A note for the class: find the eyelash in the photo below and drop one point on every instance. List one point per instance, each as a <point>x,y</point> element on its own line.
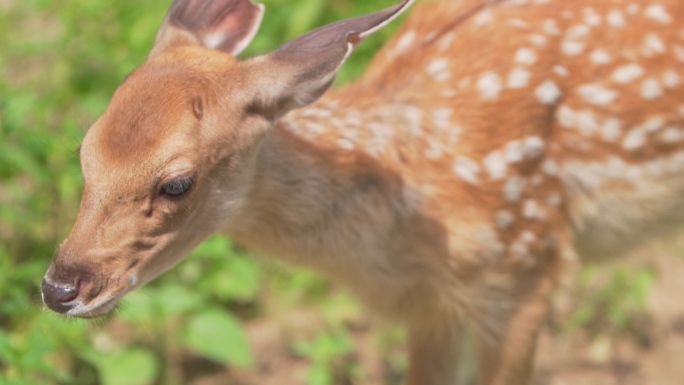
<point>176,188</point>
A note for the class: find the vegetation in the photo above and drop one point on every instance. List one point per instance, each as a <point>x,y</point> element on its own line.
<point>60,62</point>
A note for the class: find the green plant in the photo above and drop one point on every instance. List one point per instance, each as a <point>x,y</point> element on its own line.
<point>613,302</point>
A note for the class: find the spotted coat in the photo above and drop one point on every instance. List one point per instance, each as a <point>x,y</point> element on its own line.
<point>541,122</point>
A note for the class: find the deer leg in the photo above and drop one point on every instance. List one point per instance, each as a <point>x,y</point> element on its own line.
<point>507,359</point>
<point>438,356</point>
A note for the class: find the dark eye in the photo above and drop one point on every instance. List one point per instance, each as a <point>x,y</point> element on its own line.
<point>176,188</point>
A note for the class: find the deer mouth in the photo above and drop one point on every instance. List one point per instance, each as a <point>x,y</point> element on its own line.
<point>96,309</point>
<point>81,299</point>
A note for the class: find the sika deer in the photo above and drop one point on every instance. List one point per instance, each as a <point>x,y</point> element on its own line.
<point>450,185</point>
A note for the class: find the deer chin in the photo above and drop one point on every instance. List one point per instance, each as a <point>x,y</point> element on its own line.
<point>95,309</point>
<point>104,302</point>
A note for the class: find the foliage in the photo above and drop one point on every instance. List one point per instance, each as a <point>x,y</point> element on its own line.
<point>612,301</point>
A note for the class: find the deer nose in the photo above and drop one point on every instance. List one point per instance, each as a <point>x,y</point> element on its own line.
<point>57,297</point>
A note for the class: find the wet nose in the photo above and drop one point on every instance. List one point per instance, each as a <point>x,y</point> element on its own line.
<point>57,297</point>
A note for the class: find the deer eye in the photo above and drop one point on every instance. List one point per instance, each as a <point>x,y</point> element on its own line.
<point>176,188</point>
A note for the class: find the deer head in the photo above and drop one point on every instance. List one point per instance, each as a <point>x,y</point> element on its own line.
<point>173,157</point>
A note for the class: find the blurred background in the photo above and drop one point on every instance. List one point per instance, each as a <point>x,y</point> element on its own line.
<point>222,317</point>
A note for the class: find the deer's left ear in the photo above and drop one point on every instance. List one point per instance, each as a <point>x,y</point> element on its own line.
<point>225,25</point>
<point>299,72</point>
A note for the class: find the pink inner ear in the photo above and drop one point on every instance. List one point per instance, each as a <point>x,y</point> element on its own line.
<point>234,33</point>
<point>225,25</point>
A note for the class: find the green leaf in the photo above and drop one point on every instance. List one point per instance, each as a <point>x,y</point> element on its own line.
<point>177,300</point>
<point>130,367</point>
<point>320,375</point>
<point>5,347</point>
<point>219,336</point>
<point>138,307</point>
<point>240,280</point>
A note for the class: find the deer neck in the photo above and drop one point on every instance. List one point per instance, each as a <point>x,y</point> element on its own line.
<point>311,182</point>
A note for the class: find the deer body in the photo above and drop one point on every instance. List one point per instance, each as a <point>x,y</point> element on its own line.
<point>450,186</point>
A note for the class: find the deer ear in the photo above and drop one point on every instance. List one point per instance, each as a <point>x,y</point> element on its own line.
<point>301,71</point>
<point>225,25</point>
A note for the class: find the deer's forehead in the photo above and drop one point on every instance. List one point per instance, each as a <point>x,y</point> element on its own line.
<point>130,146</point>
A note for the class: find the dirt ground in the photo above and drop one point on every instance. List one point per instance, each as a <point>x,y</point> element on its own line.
<point>655,358</point>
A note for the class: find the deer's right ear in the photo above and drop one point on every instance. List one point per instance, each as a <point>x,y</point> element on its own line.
<point>224,25</point>
<point>299,72</point>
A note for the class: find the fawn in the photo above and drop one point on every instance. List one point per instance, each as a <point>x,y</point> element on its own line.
<point>487,144</point>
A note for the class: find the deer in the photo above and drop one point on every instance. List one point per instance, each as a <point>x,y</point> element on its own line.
<point>488,146</point>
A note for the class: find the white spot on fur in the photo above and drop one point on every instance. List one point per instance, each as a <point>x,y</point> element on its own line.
<point>616,19</point>
<point>572,48</point>
<point>530,209</point>
<point>550,27</point>
<point>438,69</point>
<point>566,116</point>
<point>671,79</point>
<point>611,129</point>
<point>345,144</point>
<point>525,56</point>
<point>548,92</point>
<point>672,135</point>
<point>550,167</point>
<point>467,169</point>
<point>504,219</point>
<point>435,149</point>
<point>651,89</point>
<point>533,147</point>
<point>482,18</point>
<point>514,151</point>
<point>600,56</point>
<point>538,39</point>
<point>634,140</point>
<point>489,85</point>
<point>654,43</point>
<point>627,73</point>
<point>577,32</point>
<point>496,165</point>
<point>597,94</point>
<point>561,71</point>
<point>528,237</point>
<point>586,122</point>
<point>441,118</point>
<point>404,42</point>
<point>513,189</point>
<point>591,18</point>
<point>522,253</point>
<point>658,13</point>
<point>518,23</point>
<point>518,78</point>
<point>446,41</point>
<point>654,124</point>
